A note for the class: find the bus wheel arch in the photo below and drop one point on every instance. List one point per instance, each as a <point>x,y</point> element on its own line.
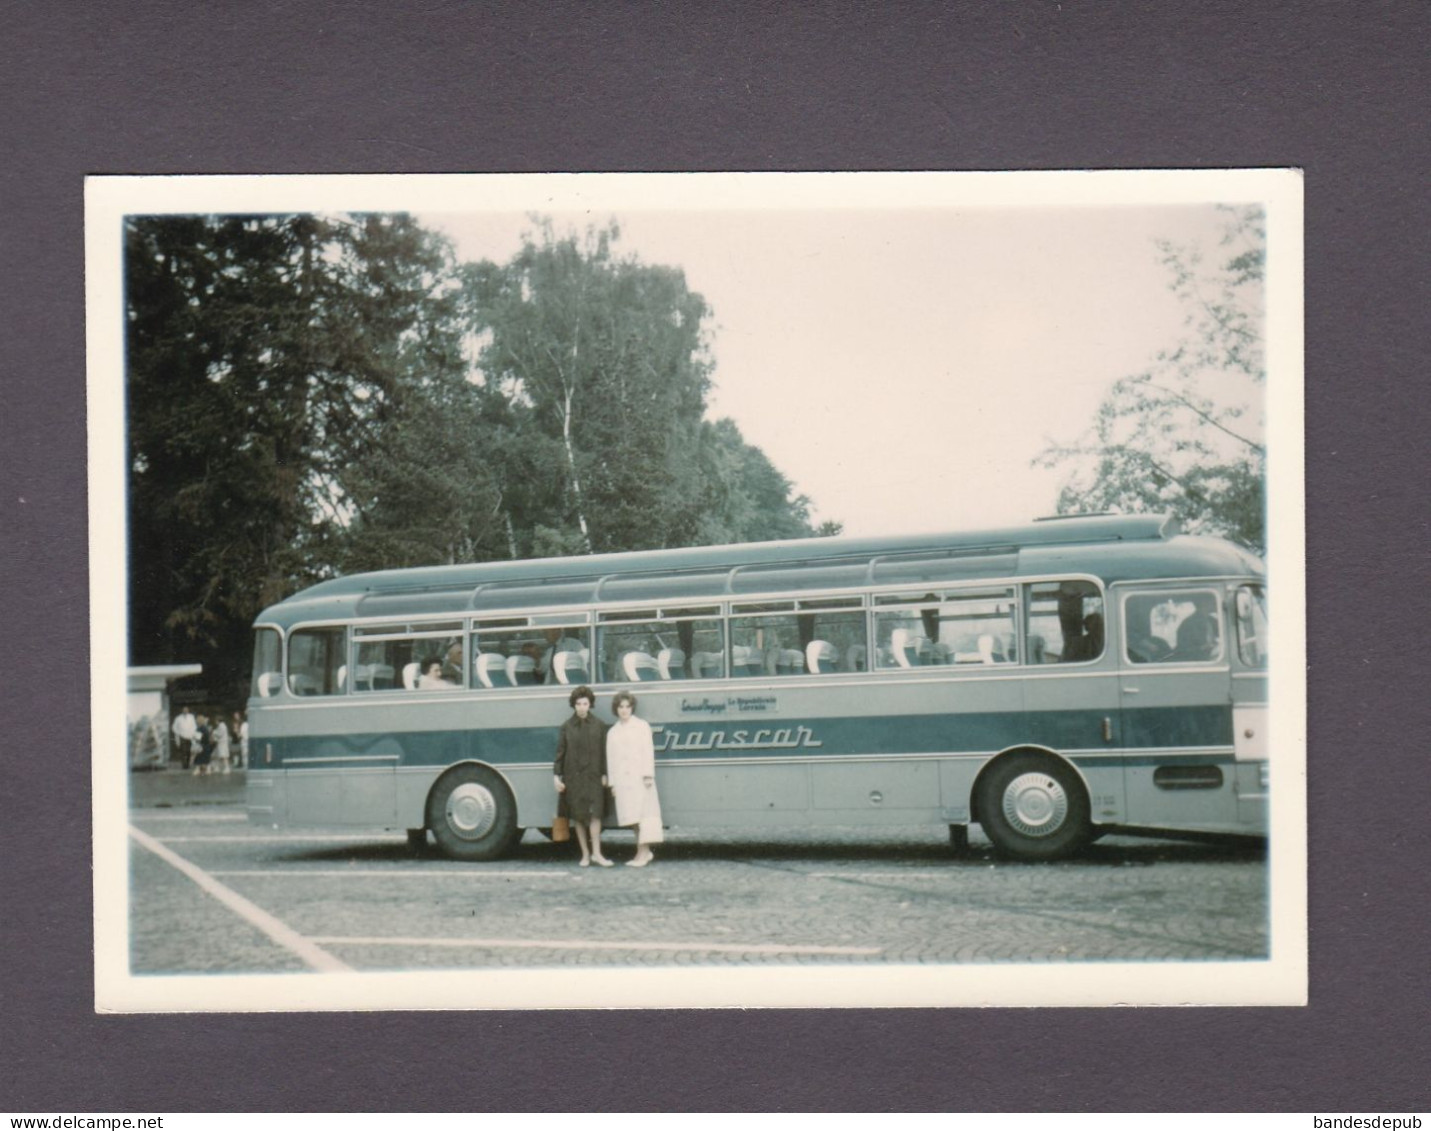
<point>472,813</point>
<point>1033,804</point>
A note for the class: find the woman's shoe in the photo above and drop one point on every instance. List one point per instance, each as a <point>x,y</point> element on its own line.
<point>605,863</point>
<point>584,864</point>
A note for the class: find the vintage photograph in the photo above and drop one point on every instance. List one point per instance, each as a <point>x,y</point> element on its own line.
<point>651,590</point>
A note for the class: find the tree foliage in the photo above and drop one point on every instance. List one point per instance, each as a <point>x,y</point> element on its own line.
<point>314,395</point>
<point>606,357</point>
<point>1186,435</point>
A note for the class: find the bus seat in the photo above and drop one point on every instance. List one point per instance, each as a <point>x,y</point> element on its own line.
<point>790,661</point>
<point>855,656</point>
<point>301,684</point>
<point>640,667</point>
<point>382,677</point>
<point>910,651</point>
<point>342,677</point>
<point>705,665</point>
<point>492,670</point>
<point>410,673</point>
<point>744,660</point>
<point>987,655</point>
<point>570,666</point>
<point>268,684</point>
<point>941,653</point>
<point>521,671</point>
<point>822,656</point>
<point>671,662</point>
<point>1038,649</point>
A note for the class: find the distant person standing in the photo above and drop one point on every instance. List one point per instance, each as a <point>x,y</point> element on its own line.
<point>204,742</point>
<point>241,730</point>
<point>186,730</point>
<point>222,764</point>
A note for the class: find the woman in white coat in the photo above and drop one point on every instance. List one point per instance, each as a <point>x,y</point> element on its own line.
<point>631,767</point>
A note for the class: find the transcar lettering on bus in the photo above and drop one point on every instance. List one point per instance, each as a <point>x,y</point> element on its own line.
<point>737,703</point>
<point>787,738</point>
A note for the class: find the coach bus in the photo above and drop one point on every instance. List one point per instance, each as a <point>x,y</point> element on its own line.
<point>1050,682</point>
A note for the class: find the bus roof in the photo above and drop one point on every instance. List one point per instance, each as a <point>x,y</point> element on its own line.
<point>1110,547</point>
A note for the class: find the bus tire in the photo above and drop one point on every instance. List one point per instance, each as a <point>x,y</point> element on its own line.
<point>1033,807</point>
<point>472,815</point>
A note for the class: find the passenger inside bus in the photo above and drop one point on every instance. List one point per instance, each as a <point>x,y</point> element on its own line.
<point>1173,628</point>
<point>452,665</point>
<point>1197,638</point>
<point>431,679</point>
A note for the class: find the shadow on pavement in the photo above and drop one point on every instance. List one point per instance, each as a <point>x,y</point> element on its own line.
<point>762,848</point>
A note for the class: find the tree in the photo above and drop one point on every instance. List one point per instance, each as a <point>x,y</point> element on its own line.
<point>605,360</point>
<point>744,498</point>
<point>264,356</point>
<point>1186,435</point>
<point>312,395</point>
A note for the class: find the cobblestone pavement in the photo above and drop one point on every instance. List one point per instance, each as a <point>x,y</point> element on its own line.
<point>713,897</point>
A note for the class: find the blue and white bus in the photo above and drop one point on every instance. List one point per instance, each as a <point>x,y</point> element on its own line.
<point>1051,682</point>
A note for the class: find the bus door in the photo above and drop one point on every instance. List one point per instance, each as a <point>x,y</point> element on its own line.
<point>1177,705</point>
<point>1070,692</point>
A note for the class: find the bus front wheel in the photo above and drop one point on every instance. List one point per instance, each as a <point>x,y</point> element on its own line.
<point>1034,807</point>
<point>471,814</point>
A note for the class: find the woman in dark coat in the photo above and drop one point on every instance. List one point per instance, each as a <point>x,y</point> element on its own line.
<point>580,771</point>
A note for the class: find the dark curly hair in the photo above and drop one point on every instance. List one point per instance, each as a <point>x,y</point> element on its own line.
<point>582,692</point>
<point>623,697</point>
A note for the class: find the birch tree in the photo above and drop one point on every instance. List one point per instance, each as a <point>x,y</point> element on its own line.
<point>1187,433</point>
<point>607,356</point>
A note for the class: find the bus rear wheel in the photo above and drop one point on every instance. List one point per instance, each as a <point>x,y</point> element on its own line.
<point>1034,807</point>
<point>471,814</point>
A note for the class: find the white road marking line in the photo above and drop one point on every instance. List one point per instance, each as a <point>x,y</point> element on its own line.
<point>295,873</point>
<point>355,839</point>
<point>873,875</point>
<point>279,931</point>
<point>587,944</point>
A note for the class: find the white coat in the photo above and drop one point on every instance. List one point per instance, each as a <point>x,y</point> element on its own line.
<point>630,759</point>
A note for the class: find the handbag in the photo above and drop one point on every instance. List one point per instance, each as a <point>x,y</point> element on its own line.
<point>561,829</point>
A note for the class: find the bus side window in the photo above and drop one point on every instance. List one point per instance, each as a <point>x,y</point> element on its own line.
<point>527,657</point>
<point>673,645</point>
<point>960,627</point>
<point>315,657</point>
<point>267,660</point>
<point>1065,622</point>
<point>1172,627</point>
<point>1251,607</point>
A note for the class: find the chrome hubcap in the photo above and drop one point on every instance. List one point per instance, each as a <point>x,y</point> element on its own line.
<point>471,811</point>
<point>1035,804</point>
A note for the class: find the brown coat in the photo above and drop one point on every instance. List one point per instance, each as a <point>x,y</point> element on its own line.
<point>581,764</point>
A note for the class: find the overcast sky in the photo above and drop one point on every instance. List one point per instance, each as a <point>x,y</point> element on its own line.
<point>901,345</point>
<point>903,367</point>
